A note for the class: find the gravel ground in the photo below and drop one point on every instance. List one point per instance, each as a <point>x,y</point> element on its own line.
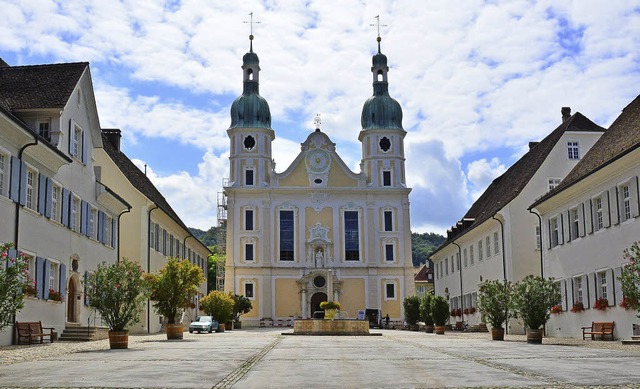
<point>16,354</point>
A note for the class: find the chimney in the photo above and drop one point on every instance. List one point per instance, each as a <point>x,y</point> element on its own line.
<point>532,145</point>
<point>566,113</point>
<point>113,135</point>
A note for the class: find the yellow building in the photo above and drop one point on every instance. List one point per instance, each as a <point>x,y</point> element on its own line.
<point>151,231</point>
<point>318,231</point>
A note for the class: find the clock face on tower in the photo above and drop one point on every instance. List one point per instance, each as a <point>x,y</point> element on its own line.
<point>318,160</point>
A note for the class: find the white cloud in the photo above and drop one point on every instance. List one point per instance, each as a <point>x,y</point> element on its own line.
<point>480,173</point>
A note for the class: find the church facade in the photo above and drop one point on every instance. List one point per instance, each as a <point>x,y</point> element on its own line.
<point>317,231</point>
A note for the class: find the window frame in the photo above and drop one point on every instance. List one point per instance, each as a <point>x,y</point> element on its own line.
<point>578,290</point>
<point>487,242</point>
<point>480,252</point>
<point>393,294</point>
<point>598,208</point>
<point>554,231</point>
<point>5,159</point>
<point>248,219</point>
<point>351,235</point>
<point>289,238</point>
<point>387,217</point>
<point>53,275</point>
<point>76,213</point>
<point>387,178</point>
<point>496,243</point>
<point>389,248</point>
<point>31,189</point>
<point>552,183</point>
<point>249,177</point>
<point>601,276</point>
<point>626,201</point>
<point>471,255</point>
<point>245,289</point>
<point>247,250</point>
<point>573,150</point>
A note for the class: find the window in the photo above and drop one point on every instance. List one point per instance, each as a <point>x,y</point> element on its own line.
<point>152,237</point>
<point>496,243</point>
<point>573,150</point>
<point>626,202</point>
<point>93,216</point>
<point>248,219</point>
<point>351,236</point>
<point>554,231</point>
<point>573,214</point>
<point>480,252</point>
<point>488,244</point>
<point>390,291</point>
<point>553,182</point>
<point>446,266</point>
<point>108,233</point>
<point>43,130</point>
<point>75,214</point>
<point>452,265</point>
<point>420,289</point>
<point>4,163</point>
<point>248,290</point>
<point>538,238</point>
<point>178,248</point>
<point>32,189</point>
<point>386,178</point>
<point>248,177</point>
<point>286,235</point>
<point>464,256</point>
<point>388,250</point>
<point>76,143</point>
<point>388,220</point>
<point>597,204</point>
<point>248,252</point>
<point>471,255</point>
<point>578,292</point>
<point>54,276</point>
<point>55,202</point>
<point>602,284</point>
<point>171,239</point>
<point>457,261</point>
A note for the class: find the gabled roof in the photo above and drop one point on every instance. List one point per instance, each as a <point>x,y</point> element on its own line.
<point>142,183</point>
<point>421,276</point>
<point>39,86</point>
<point>509,185</point>
<point>622,137</point>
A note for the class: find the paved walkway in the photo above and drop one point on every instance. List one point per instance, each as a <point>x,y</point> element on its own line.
<point>266,359</point>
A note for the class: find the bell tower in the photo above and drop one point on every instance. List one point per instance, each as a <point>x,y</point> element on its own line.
<point>382,135</point>
<point>250,131</point>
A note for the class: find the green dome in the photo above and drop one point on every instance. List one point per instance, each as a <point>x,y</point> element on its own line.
<point>250,58</point>
<point>381,111</point>
<point>250,111</point>
<point>379,60</point>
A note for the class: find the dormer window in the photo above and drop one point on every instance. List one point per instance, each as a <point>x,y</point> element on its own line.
<point>43,130</point>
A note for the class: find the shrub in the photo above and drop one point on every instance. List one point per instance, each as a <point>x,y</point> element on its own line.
<point>425,309</point>
<point>14,281</point>
<point>494,299</point>
<point>219,305</point>
<point>533,298</point>
<point>411,309</point>
<point>439,310</point>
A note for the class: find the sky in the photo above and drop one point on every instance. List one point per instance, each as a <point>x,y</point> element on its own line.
<point>477,81</point>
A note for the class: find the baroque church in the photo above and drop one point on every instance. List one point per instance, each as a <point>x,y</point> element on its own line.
<point>317,231</point>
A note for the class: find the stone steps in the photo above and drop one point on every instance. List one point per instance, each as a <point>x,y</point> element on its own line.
<point>635,339</point>
<point>76,333</point>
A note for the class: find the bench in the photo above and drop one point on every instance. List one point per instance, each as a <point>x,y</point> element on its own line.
<point>602,328</point>
<point>32,331</point>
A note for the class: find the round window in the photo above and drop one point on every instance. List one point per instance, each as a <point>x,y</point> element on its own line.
<point>249,142</point>
<point>385,144</point>
<point>319,282</point>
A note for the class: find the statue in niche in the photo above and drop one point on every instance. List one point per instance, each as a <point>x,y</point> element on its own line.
<point>319,258</point>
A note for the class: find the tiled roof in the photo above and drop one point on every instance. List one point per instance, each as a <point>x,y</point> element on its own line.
<point>509,185</point>
<point>621,138</point>
<point>422,274</point>
<point>142,183</point>
<point>39,86</point>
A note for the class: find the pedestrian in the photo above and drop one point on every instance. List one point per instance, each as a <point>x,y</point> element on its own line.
<point>386,321</point>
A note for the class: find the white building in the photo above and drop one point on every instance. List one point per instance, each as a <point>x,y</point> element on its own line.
<point>498,238</point>
<point>588,221</point>
<point>52,207</point>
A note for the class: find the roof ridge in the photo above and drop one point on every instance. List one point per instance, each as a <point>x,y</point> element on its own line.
<point>44,65</point>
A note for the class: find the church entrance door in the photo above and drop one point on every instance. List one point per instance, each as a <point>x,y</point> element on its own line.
<point>316,299</point>
<point>71,301</point>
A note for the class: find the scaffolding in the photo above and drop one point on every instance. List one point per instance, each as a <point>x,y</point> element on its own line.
<point>222,235</point>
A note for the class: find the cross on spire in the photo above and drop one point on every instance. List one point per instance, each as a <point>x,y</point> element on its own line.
<point>378,25</point>
<point>251,22</point>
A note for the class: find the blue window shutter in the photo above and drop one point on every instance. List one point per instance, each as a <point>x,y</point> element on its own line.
<point>40,277</point>
<point>86,280</point>
<point>42,193</point>
<point>63,281</point>
<point>83,217</point>
<point>23,183</point>
<point>65,207</point>
<point>15,179</point>
<point>85,147</point>
<point>114,233</point>
<point>45,281</point>
<point>48,197</point>
<point>12,253</point>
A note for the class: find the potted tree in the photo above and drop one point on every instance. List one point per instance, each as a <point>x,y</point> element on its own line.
<point>13,284</point>
<point>117,292</point>
<point>241,305</point>
<point>172,289</point>
<point>220,306</point>
<point>533,298</point>
<point>412,311</point>
<point>439,313</point>
<point>494,298</point>
<point>425,312</point>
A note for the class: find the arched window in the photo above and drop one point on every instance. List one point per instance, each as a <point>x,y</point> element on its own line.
<point>250,74</point>
<point>380,77</point>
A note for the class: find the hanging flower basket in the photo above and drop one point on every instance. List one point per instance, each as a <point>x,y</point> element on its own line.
<point>577,307</point>
<point>557,309</point>
<point>601,304</point>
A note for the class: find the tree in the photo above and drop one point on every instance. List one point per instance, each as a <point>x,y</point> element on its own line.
<point>173,287</point>
<point>219,305</point>
<point>14,281</point>
<point>241,305</point>
<point>117,292</point>
<point>630,278</point>
<point>494,299</point>
<point>212,266</point>
<point>425,309</point>
<point>411,310</point>
<point>533,298</point>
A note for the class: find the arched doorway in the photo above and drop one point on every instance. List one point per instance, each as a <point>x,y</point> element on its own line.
<point>316,299</point>
<point>71,301</point>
